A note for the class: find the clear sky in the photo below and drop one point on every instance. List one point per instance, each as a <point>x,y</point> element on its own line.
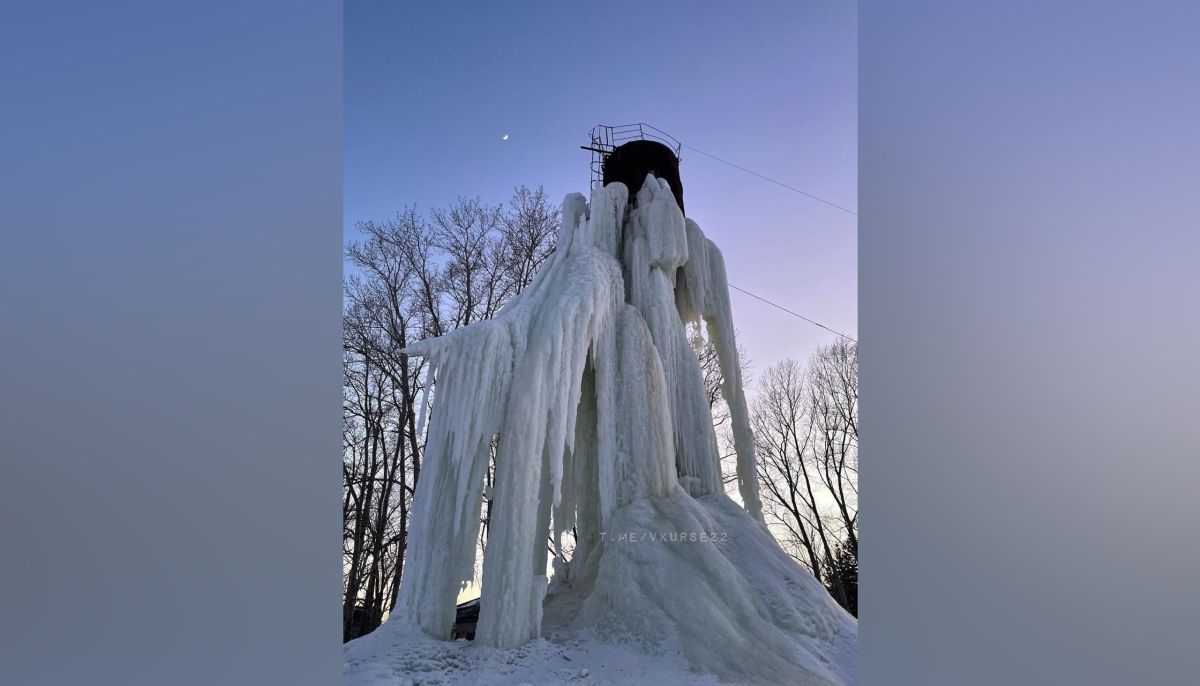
<point>430,89</point>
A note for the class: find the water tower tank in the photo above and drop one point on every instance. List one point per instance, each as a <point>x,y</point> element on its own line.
<point>628,152</point>
<point>630,162</point>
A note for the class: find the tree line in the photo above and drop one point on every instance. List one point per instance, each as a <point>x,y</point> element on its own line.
<point>424,274</point>
<point>805,421</point>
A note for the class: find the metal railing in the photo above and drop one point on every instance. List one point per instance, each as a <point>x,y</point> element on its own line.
<point>605,139</point>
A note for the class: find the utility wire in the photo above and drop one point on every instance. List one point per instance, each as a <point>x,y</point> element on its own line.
<point>795,190</point>
<point>767,178</point>
<point>794,314</point>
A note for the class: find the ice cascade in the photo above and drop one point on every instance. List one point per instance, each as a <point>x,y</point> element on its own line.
<point>590,391</point>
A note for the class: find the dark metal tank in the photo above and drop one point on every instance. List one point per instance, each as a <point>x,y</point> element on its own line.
<point>630,162</point>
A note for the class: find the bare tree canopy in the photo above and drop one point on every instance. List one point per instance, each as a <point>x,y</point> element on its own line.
<point>806,440</point>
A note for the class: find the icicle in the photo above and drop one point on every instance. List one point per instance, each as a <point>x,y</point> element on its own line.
<point>585,471</point>
<point>425,399</point>
<point>577,302</point>
<point>441,557</point>
<point>702,293</point>
<point>655,244</point>
<point>645,452</point>
<point>606,215</point>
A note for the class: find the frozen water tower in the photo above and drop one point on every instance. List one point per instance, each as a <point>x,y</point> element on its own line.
<point>628,152</point>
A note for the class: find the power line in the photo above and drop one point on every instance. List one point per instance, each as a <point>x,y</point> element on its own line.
<point>767,178</point>
<point>795,190</point>
<point>794,314</point>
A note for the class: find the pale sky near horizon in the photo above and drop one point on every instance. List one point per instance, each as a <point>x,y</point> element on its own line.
<point>431,89</point>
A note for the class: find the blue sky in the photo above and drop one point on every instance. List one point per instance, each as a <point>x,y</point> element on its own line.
<point>430,89</point>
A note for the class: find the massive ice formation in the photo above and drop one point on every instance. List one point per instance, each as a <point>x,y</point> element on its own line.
<point>589,383</point>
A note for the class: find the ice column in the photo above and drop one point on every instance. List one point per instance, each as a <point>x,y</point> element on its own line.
<point>702,293</point>
<point>655,247</point>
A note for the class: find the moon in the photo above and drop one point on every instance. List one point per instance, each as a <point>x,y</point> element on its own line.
<point>504,137</point>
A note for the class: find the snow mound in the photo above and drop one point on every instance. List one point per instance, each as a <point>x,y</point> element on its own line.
<point>398,654</point>
<point>700,577</point>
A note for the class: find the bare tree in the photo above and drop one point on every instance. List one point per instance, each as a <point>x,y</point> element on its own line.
<point>806,441</point>
<point>381,457</point>
<point>529,235</point>
<point>473,278</point>
<point>833,409</point>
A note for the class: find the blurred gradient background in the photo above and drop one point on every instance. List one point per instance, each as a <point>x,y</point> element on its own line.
<point>170,196</point>
<point>1029,299</point>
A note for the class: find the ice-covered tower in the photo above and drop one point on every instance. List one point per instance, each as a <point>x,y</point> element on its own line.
<point>589,388</point>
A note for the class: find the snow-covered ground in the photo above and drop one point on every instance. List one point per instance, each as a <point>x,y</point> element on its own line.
<point>399,655</point>
<point>745,614</point>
